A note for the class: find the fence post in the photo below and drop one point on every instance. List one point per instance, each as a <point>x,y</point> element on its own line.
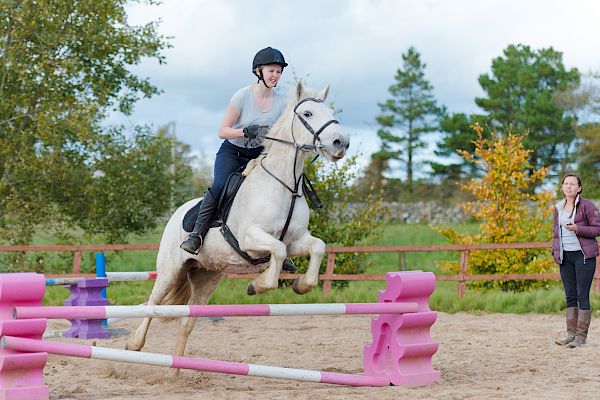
<point>464,260</point>
<point>328,271</point>
<point>77,262</point>
<point>402,261</point>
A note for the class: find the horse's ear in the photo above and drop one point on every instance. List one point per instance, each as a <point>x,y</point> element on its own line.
<point>323,93</point>
<point>299,90</point>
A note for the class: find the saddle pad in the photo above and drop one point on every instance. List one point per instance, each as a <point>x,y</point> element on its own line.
<point>189,220</point>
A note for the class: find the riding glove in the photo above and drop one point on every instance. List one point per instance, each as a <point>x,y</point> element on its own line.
<point>253,131</point>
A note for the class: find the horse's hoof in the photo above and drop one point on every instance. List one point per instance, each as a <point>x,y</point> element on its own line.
<point>296,289</point>
<point>251,291</point>
<point>133,348</point>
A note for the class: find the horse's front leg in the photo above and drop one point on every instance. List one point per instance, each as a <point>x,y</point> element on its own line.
<point>308,244</point>
<point>256,239</point>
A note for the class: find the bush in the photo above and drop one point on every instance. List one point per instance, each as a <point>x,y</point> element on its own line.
<point>509,210</point>
<point>335,224</point>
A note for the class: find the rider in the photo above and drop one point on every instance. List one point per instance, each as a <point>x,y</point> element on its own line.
<point>251,111</point>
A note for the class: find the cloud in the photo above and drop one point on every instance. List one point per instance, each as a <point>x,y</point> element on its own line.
<point>355,46</point>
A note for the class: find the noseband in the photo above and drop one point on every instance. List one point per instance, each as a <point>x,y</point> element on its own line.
<point>307,125</point>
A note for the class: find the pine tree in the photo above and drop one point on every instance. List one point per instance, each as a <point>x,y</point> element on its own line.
<point>408,115</point>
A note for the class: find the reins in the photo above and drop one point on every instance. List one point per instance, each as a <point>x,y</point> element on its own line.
<point>307,187</point>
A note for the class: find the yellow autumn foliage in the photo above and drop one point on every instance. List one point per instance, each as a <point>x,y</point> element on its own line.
<point>509,210</point>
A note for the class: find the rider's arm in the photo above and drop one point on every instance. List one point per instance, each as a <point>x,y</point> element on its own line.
<point>225,130</point>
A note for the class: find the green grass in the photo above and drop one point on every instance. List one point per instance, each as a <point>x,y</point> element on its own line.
<point>413,235</point>
<point>445,298</point>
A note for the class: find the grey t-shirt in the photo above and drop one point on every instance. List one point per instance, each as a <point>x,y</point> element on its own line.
<point>244,101</point>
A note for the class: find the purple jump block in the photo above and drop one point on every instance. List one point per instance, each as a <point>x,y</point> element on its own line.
<point>22,374</point>
<point>402,346</point>
<point>87,292</point>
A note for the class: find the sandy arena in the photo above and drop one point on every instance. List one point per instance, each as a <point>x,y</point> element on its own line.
<point>491,356</point>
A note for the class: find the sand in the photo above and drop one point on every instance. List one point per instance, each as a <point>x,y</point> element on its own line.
<point>491,356</point>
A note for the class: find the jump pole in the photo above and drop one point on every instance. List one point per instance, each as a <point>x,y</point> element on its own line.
<point>196,364</point>
<point>232,310</point>
<point>111,276</point>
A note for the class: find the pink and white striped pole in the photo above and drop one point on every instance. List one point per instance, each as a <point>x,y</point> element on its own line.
<point>232,310</point>
<point>197,364</point>
<point>111,276</point>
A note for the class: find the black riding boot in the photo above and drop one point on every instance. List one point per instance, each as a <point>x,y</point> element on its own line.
<point>205,215</point>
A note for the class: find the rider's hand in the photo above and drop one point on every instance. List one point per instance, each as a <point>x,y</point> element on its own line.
<point>253,131</point>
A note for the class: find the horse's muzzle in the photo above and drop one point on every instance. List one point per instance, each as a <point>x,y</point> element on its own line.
<point>339,147</point>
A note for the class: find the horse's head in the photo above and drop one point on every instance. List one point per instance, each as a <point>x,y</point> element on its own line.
<point>314,124</point>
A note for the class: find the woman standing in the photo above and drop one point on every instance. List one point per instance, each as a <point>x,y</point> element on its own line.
<point>251,112</point>
<point>574,247</point>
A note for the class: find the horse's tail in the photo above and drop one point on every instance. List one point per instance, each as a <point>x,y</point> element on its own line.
<point>169,263</point>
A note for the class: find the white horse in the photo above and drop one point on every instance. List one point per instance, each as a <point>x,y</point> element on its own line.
<point>257,218</point>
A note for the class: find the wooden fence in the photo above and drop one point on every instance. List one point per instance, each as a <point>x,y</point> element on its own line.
<point>329,276</point>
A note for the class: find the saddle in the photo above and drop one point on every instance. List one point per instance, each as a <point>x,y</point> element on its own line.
<point>231,188</point>
<point>232,185</point>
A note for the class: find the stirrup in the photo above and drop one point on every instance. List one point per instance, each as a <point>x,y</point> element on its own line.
<point>189,249</point>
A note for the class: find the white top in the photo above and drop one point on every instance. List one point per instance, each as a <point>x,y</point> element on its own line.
<point>569,238</point>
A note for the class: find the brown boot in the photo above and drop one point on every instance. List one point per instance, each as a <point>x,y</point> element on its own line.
<point>583,325</point>
<point>571,314</point>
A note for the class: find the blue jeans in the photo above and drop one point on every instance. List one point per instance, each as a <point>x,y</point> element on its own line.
<point>577,278</point>
<point>229,159</point>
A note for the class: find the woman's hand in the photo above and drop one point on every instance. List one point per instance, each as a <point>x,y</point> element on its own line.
<point>571,227</point>
<point>253,131</point>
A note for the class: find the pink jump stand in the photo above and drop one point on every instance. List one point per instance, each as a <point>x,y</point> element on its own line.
<point>22,374</point>
<point>402,346</point>
<point>87,292</point>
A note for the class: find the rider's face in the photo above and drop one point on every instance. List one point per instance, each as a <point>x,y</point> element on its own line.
<point>271,74</point>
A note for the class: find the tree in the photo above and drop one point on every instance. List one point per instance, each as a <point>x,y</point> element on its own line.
<point>116,201</point>
<point>508,210</point>
<point>589,158</point>
<point>520,94</point>
<point>65,66</point>
<point>410,114</point>
<point>457,135</point>
<point>372,177</point>
<point>584,102</point>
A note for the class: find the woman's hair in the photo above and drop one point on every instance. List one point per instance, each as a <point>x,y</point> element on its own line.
<point>578,181</point>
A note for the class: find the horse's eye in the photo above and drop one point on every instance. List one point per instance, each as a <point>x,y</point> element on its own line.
<point>307,114</point>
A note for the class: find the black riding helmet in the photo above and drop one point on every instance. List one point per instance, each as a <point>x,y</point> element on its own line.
<point>267,56</point>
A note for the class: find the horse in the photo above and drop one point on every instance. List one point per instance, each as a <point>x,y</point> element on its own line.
<point>262,210</point>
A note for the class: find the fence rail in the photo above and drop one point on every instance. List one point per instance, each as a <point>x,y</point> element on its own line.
<point>329,276</point>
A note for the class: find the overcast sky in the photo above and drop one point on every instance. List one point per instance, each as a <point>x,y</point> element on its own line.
<point>354,45</point>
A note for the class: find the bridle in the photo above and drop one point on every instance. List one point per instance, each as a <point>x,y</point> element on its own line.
<point>307,125</point>
<point>316,140</point>
<point>301,178</point>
